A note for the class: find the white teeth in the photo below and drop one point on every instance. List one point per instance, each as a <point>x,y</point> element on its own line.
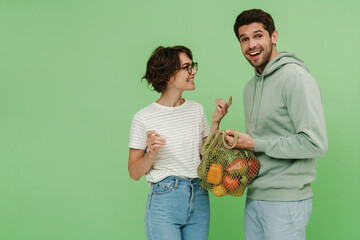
<point>254,53</point>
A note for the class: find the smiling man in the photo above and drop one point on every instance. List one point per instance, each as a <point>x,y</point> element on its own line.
<point>258,45</point>
<point>286,129</point>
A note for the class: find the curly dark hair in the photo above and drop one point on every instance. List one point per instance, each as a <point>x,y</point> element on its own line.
<point>163,64</point>
<point>254,15</point>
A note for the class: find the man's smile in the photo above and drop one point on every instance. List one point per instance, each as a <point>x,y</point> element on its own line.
<point>254,53</point>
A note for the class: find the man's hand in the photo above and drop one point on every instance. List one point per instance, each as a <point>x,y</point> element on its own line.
<point>244,140</point>
<point>154,142</point>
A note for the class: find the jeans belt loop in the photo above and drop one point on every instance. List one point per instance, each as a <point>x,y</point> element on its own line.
<point>176,182</point>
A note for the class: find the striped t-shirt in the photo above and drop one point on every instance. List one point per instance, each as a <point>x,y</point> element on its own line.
<point>183,127</point>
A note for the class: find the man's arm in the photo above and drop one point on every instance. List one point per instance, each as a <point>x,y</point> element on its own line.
<point>304,103</point>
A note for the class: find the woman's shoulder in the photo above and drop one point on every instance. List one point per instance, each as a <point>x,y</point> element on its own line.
<point>193,103</point>
<point>146,110</point>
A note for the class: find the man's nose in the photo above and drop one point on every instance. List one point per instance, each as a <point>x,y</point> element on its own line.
<point>252,43</point>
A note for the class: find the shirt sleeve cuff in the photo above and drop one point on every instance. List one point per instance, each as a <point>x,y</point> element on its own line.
<point>260,145</point>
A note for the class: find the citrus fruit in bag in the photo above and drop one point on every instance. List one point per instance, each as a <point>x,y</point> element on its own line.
<point>215,174</point>
<point>219,190</point>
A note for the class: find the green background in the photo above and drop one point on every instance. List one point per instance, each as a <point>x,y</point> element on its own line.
<point>70,83</point>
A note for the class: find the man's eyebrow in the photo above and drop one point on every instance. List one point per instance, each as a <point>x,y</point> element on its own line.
<point>257,31</point>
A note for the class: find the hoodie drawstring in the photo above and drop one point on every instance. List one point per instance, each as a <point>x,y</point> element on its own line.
<point>259,102</point>
<point>255,118</point>
<point>253,102</point>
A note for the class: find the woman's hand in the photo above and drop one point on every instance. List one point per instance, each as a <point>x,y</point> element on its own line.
<point>141,162</point>
<point>221,110</point>
<point>154,142</point>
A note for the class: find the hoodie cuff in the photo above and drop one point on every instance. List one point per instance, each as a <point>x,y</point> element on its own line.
<point>260,145</point>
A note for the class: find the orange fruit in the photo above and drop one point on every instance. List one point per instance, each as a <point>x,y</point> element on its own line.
<point>215,174</point>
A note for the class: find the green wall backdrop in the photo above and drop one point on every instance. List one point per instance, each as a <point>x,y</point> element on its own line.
<point>70,83</point>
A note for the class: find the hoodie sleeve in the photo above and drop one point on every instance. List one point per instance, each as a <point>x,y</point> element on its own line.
<point>302,96</point>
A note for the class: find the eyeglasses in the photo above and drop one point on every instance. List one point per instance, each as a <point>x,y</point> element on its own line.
<point>190,67</point>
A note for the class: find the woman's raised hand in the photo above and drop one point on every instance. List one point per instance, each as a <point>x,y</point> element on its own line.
<point>154,142</point>
<point>221,109</point>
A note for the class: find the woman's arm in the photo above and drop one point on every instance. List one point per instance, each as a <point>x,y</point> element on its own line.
<point>141,162</point>
<point>220,111</point>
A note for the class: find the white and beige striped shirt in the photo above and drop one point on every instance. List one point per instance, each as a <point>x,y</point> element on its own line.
<point>183,127</point>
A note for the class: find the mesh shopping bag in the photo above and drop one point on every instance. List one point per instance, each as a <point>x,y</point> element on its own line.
<point>226,170</point>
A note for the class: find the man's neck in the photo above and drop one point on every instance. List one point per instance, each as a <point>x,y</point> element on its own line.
<point>274,54</point>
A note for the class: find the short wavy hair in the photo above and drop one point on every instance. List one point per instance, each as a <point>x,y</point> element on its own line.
<point>163,64</point>
<point>254,15</point>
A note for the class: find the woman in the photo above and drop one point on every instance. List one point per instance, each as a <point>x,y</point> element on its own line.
<point>165,142</point>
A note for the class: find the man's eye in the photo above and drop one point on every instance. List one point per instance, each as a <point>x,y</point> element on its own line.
<point>259,36</point>
<point>244,40</point>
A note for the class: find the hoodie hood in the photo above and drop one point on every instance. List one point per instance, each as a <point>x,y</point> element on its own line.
<point>280,61</point>
<point>277,63</point>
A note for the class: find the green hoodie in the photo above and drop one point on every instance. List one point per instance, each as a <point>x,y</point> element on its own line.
<point>284,114</point>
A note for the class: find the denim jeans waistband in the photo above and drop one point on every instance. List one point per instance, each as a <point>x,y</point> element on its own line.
<point>179,180</point>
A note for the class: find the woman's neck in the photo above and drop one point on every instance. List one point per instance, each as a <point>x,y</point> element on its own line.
<point>170,99</point>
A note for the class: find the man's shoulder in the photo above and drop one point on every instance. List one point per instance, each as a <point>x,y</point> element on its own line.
<point>294,69</point>
<point>295,75</point>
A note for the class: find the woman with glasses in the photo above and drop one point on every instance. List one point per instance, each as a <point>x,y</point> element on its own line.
<point>165,142</point>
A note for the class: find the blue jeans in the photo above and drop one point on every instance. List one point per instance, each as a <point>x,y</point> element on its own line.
<point>177,208</point>
<point>268,220</point>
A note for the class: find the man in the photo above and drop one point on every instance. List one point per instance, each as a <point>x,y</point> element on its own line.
<point>285,127</point>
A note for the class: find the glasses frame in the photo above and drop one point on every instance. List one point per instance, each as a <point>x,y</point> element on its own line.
<point>190,67</point>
